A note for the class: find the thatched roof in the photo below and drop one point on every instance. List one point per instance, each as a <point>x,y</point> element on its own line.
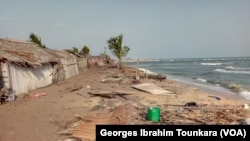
<point>28,54</point>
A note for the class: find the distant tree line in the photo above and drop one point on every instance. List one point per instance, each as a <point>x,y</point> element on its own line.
<point>84,51</point>
<point>115,45</point>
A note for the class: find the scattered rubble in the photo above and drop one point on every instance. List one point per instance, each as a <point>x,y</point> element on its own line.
<point>85,128</point>
<point>202,114</point>
<point>187,114</point>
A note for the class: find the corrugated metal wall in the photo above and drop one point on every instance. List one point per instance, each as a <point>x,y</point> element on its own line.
<point>25,79</point>
<point>82,63</point>
<point>58,73</point>
<point>5,75</point>
<point>70,67</point>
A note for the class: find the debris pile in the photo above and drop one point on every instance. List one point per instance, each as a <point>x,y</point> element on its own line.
<point>203,114</point>
<point>7,95</point>
<point>85,128</point>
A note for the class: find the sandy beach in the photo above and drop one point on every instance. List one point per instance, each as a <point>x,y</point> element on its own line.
<point>48,113</point>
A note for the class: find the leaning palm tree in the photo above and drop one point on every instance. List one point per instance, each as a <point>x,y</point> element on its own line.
<point>36,39</point>
<point>115,45</point>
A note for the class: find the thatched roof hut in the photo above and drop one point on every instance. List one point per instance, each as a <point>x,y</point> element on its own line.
<point>25,66</point>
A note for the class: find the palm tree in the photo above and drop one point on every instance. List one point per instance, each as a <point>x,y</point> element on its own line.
<point>115,45</point>
<point>36,39</point>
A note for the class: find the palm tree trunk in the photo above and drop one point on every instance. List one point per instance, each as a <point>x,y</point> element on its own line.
<point>120,63</point>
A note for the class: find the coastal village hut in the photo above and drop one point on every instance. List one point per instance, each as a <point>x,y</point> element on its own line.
<point>66,67</point>
<point>96,61</point>
<point>81,60</point>
<point>24,66</point>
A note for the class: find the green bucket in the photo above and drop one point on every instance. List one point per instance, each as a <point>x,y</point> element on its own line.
<point>154,114</point>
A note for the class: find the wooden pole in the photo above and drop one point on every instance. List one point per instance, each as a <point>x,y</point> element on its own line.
<point>137,77</point>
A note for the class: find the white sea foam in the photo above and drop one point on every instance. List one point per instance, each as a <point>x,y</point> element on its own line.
<point>202,80</point>
<point>236,68</point>
<point>229,71</point>
<point>218,85</point>
<point>209,59</point>
<point>243,58</point>
<point>211,64</point>
<point>229,67</point>
<point>146,71</point>
<point>245,94</point>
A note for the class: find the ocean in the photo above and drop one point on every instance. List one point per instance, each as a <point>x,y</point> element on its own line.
<point>220,74</point>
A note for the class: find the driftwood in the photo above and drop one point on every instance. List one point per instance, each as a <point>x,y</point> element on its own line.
<point>112,94</point>
<point>156,76</point>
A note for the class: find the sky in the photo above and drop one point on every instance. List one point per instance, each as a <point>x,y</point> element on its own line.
<point>151,28</point>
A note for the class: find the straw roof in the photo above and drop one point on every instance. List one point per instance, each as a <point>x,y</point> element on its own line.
<point>28,54</point>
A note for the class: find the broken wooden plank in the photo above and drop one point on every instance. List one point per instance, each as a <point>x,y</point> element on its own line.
<point>156,76</point>
<point>112,80</point>
<point>76,88</point>
<point>152,88</point>
<point>108,94</point>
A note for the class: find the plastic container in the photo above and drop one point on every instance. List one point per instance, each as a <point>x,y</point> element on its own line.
<point>154,114</point>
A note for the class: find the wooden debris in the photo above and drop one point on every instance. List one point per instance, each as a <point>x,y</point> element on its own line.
<point>108,94</point>
<point>172,114</point>
<point>85,130</point>
<point>201,114</point>
<point>191,104</point>
<point>76,88</point>
<point>159,77</point>
<point>112,80</point>
<point>152,88</point>
<point>216,97</point>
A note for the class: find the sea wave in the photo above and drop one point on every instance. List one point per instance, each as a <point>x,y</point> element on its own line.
<point>236,68</point>
<point>247,58</point>
<point>201,79</point>
<point>245,94</point>
<point>146,71</point>
<point>230,71</point>
<point>211,64</point>
<point>207,59</point>
<point>144,65</point>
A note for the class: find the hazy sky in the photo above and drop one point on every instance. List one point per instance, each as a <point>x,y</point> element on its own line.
<point>151,28</point>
